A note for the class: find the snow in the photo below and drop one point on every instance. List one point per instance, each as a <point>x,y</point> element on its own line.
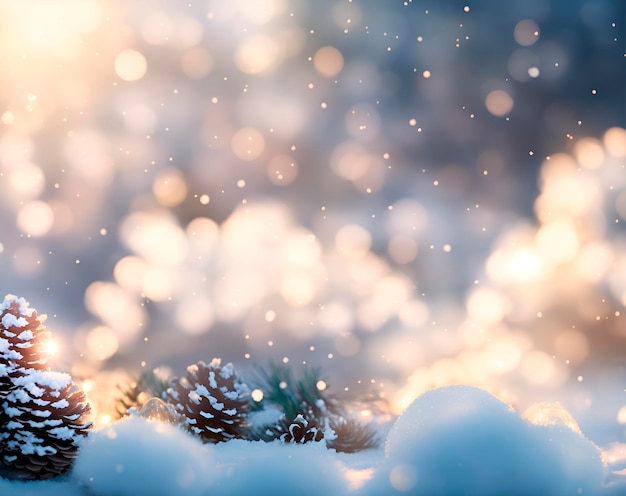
<point>22,305</point>
<point>212,381</point>
<point>54,380</point>
<point>63,432</point>
<point>10,320</point>
<point>62,403</point>
<point>25,335</point>
<point>460,439</point>
<point>135,456</point>
<point>450,440</point>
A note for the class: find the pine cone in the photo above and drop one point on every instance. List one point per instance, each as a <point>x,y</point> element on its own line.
<point>300,431</point>
<point>22,336</point>
<point>47,416</point>
<point>212,401</point>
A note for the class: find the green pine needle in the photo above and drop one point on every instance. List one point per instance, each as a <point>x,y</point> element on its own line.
<point>135,394</point>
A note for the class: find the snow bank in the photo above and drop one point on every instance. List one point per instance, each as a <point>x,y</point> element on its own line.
<point>61,486</point>
<point>274,468</point>
<point>462,440</point>
<point>452,440</point>
<point>135,456</point>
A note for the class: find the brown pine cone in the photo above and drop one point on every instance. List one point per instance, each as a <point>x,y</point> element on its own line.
<point>212,401</point>
<point>47,416</point>
<point>22,335</point>
<point>300,431</point>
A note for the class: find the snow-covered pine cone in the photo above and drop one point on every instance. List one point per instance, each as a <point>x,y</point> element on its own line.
<point>212,401</point>
<point>301,430</point>
<point>47,417</point>
<point>22,337</point>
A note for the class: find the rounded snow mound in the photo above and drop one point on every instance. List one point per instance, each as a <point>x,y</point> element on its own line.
<point>135,456</point>
<point>463,440</point>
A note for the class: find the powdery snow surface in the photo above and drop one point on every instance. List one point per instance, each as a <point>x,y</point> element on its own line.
<point>135,456</point>
<point>451,440</point>
<point>463,440</point>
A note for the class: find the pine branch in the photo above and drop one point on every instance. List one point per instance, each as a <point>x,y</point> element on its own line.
<point>277,385</point>
<point>134,395</point>
<point>352,436</point>
<point>296,396</point>
<point>304,404</point>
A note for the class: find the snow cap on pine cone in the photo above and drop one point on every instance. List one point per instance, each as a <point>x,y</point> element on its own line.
<point>212,401</point>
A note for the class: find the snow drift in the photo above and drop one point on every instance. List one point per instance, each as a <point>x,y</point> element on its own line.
<point>450,440</point>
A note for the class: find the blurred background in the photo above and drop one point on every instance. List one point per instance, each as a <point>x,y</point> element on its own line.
<point>406,194</point>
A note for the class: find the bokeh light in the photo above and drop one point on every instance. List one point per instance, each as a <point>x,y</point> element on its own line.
<point>130,65</point>
<point>356,183</point>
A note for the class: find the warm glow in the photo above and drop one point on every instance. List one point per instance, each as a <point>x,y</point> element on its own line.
<point>486,306</point>
<point>155,236</point>
<point>403,477</point>
<point>362,121</point>
<point>104,419</point>
<point>114,306</point>
<point>170,188</point>
<point>27,180</point>
<point>352,240</point>
<point>358,477</point>
<point>558,241</point>
<point>35,218</point>
<point>260,11</point>
<point>550,414</point>
<point>282,170</point>
<point>51,27</point>
<point>539,368</point>
<point>589,153</point>
<point>257,395</point>
<point>102,342</point>
<point>328,61</point>
<point>258,54</point>
<point>130,65</point>
<point>615,141</point>
<point>51,347</point>
<point>402,249</point>
<point>195,315</point>
<point>526,32</point>
<point>572,345</point>
<point>499,103</point>
<point>129,272</point>
<point>350,160</point>
<point>197,63</point>
<point>522,265</point>
<point>248,143</point>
